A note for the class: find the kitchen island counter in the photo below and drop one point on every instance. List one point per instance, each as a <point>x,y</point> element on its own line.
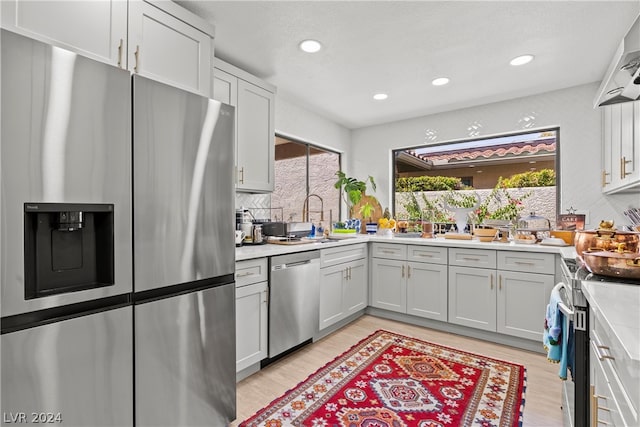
<point>268,250</point>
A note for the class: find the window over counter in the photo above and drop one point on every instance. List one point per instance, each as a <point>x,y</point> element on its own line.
<point>514,174</point>
<point>304,182</point>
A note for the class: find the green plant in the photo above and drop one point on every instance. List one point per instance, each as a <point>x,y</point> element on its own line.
<point>500,204</point>
<point>541,178</point>
<point>430,209</point>
<point>461,200</point>
<point>427,183</point>
<point>352,191</point>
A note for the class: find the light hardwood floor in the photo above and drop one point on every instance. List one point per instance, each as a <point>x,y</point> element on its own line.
<point>542,397</point>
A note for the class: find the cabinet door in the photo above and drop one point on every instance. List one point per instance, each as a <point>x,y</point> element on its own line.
<point>255,138</point>
<point>355,287</point>
<point>472,297</point>
<point>388,284</point>
<point>616,154</point>
<point>331,294</point>
<point>522,301</point>
<point>251,324</point>
<point>628,166</point>
<point>166,49</point>
<point>427,290</point>
<point>607,165</point>
<point>225,87</point>
<point>96,29</point>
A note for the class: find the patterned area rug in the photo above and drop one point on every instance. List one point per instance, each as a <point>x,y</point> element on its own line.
<point>390,380</point>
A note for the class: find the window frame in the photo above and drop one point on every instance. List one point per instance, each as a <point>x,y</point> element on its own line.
<point>557,160</point>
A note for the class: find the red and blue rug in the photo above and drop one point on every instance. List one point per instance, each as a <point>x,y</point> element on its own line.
<point>390,380</point>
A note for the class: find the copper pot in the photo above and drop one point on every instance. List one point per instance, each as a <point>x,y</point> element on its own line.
<point>605,239</point>
<point>622,264</point>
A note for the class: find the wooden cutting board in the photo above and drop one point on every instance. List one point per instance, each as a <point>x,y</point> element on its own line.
<point>375,216</point>
<point>290,242</point>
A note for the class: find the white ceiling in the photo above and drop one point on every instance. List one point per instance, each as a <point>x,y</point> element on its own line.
<point>398,47</point>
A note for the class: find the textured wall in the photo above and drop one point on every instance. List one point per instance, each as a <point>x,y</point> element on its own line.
<point>289,192</point>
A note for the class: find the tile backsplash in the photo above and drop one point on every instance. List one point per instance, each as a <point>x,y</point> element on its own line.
<point>259,205</point>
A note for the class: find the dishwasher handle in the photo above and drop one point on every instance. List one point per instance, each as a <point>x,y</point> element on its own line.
<point>284,266</point>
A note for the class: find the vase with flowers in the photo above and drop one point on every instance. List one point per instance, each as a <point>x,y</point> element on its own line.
<point>461,204</point>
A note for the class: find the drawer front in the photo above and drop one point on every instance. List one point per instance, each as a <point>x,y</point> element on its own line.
<point>484,258</point>
<point>389,251</point>
<point>342,254</point>
<point>527,262</point>
<point>620,407</point>
<point>621,371</point>
<point>251,271</point>
<point>431,254</point>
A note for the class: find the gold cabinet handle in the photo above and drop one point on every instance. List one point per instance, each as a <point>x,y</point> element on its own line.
<point>241,179</point>
<point>384,251</point>
<point>500,282</point>
<point>120,53</point>
<point>408,272</point>
<point>604,178</point>
<point>596,408</point>
<point>470,259</point>
<point>491,280</point>
<point>349,273</point>
<point>425,255</point>
<point>403,271</point>
<point>623,167</point>
<point>601,354</point>
<point>136,54</point>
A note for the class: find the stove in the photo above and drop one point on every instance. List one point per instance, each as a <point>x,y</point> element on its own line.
<point>575,394</point>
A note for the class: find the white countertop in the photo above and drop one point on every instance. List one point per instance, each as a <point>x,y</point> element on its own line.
<point>619,307</point>
<point>267,250</point>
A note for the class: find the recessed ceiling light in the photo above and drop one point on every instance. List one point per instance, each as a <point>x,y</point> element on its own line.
<point>310,46</point>
<point>521,60</point>
<point>380,96</point>
<point>440,81</point>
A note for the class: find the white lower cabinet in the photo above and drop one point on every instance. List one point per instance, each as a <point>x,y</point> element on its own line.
<point>506,298</point>
<point>252,314</point>
<point>472,297</point>
<point>521,302</point>
<point>427,290</point>
<point>343,283</point>
<point>398,283</point>
<point>613,376</point>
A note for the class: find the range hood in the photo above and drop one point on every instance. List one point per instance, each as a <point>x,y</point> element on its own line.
<point>622,80</point>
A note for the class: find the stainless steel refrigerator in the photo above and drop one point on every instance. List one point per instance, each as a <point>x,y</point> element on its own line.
<point>184,257</point>
<point>117,246</point>
<point>66,238</point>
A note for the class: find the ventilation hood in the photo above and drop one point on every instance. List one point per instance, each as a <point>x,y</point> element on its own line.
<point>622,81</point>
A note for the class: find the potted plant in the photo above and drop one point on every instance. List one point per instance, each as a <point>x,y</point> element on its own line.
<point>353,191</point>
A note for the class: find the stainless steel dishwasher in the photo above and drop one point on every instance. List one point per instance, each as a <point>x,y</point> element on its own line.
<point>294,282</point>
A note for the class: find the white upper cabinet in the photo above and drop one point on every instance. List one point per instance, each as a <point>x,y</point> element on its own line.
<point>254,100</point>
<point>621,147</point>
<point>96,29</point>
<point>256,133</point>
<point>165,48</point>
<point>156,39</point>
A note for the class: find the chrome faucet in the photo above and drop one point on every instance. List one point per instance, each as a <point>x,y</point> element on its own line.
<point>305,207</point>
